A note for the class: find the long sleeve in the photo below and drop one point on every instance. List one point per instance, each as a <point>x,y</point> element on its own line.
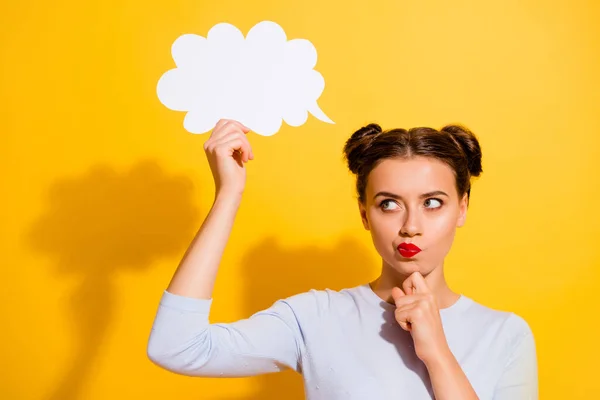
<point>183,341</point>
<point>519,380</point>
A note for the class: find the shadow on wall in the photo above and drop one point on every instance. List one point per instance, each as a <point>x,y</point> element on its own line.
<point>99,224</point>
<point>273,272</point>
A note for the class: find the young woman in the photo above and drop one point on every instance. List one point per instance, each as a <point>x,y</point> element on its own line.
<point>406,335</point>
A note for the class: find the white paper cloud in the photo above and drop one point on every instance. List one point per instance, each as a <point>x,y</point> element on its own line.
<point>258,80</point>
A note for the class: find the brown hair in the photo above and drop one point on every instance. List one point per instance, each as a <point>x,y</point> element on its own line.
<point>454,145</point>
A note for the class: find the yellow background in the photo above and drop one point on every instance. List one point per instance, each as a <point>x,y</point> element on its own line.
<point>102,188</point>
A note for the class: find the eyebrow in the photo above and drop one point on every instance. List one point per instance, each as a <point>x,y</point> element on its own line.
<point>424,195</point>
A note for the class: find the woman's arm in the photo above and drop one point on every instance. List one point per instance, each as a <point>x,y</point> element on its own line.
<point>519,380</point>
<point>448,380</point>
<point>182,340</point>
<point>417,312</point>
<point>195,276</point>
<point>227,149</point>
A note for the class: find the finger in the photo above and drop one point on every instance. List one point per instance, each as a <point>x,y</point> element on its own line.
<point>224,121</point>
<point>245,129</point>
<point>406,326</point>
<point>242,127</point>
<point>240,146</point>
<point>419,283</point>
<point>227,127</point>
<point>408,285</point>
<point>221,122</point>
<point>404,318</point>
<point>397,294</point>
<point>232,136</point>
<point>228,145</point>
<point>405,300</point>
<point>407,306</point>
<point>242,152</point>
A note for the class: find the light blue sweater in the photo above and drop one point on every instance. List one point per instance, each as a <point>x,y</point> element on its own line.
<point>347,345</point>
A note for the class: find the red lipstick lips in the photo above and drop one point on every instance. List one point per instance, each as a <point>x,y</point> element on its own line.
<point>408,250</point>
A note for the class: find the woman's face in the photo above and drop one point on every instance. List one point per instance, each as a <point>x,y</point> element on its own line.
<point>413,201</point>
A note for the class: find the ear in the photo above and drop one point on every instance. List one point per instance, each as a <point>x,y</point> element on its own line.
<point>363,215</point>
<point>462,211</point>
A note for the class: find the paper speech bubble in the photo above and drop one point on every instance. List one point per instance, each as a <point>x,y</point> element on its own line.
<point>259,80</point>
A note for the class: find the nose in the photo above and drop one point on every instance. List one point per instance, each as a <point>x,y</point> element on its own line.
<point>411,225</point>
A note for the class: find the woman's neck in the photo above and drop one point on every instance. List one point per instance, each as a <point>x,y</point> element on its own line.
<point>436,281</point>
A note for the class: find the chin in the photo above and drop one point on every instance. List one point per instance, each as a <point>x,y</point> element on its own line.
<point>407,266</point>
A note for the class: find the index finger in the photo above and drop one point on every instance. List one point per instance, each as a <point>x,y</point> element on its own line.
<point>418,283</point>
<point>219,128</point>
<point>220,123</point>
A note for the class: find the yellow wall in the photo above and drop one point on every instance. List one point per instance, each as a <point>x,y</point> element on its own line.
<point>102,189</point>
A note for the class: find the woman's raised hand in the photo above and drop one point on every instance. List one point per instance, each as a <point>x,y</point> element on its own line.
<point>227,150</point>
<point>417,312</point>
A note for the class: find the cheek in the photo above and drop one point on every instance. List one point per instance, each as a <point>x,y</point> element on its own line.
<point>384,228</point>
<point>441,231</point>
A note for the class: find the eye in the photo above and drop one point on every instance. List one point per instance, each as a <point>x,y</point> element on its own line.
<point>433,203</point>
<point>388,205</point>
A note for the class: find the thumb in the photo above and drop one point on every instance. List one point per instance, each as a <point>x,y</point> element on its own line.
<point>397,293</point>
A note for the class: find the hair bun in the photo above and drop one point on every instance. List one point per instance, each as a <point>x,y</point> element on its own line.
<point>369,130</point>
<point>358,143</point>
<point>468,143</point>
